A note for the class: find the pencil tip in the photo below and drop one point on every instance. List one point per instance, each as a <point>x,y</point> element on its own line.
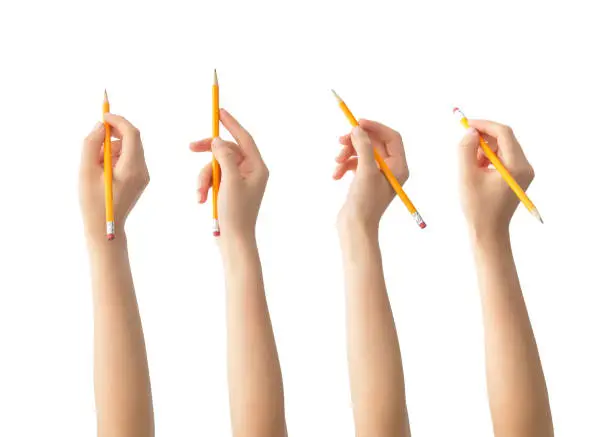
<point>215,77</point>
<point>105,95</point>
<point>336,95</point>
<point>537,215</point>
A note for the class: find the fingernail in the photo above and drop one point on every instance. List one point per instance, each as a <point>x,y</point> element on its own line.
<point>98,126</point>
<point>471,131</point>
<point>216,142</point>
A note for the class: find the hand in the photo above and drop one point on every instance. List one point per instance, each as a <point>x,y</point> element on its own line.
<point>488,201</point>
<point>130,175</point>
<point>370,193</point>
<point>244,176</point>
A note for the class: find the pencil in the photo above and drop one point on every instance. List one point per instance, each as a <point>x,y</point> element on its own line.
<point>501,168</point>
<point>216,171</point>
<point>384,168</point>
<point>108,174</point>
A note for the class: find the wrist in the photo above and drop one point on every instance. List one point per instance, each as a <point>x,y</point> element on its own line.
<point>490,238</point>
<point>230,241</point>
<point>356,230</point>
<point>99,241</point>
<point>349,225</point>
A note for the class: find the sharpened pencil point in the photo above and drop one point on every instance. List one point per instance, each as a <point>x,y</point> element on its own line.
<point>216,81</point>
<point>337,96</point>
<point>105,95</point>
<point>537,215</point>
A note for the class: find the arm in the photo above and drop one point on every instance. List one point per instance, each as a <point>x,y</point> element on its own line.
<point>254,374</point>
<point>121,376</point>
<point>375,363</point>
<point>518,397</point>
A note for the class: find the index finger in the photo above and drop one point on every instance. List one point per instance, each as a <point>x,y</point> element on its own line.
<point>240,134</point>
<point>491,128</point>
<point>384,133</point>
<point>391,138</point>
<point>121,126</point>
<point>504,138</point>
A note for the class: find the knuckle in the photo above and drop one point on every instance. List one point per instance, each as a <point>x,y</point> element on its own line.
<point>134,132</point>
<point>507,130</point>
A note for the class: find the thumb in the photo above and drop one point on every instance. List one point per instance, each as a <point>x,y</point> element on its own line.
<point>227,157</point>
<point>363,147</point>
<point>468,149</point>
<point>92,145</point>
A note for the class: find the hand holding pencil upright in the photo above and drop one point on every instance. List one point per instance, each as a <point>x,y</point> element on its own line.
<point>244,176</point>
<point>130,176</point>
<point>388,147</point>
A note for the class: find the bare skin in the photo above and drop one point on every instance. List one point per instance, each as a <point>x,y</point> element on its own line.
<point>375,363</point>
<point>254,374</point>
<point>518,397</point>
<point>121,374</point>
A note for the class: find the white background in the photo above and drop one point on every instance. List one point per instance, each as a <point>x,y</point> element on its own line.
<point>541,67</point>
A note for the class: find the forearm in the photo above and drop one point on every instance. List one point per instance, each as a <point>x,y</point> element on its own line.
<point>375,364</point>
<point>517,389</point>
<point>121,375</point>
<point>254,375</point>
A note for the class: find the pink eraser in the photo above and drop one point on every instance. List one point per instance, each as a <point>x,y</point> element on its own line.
<point>110,237</point>
<point>422,225</point>
<point>216,233</point>
<point>455,109</point>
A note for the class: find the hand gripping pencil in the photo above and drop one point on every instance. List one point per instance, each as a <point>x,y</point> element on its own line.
<point>384,168</point>
<point>216,171</point>
<point>108,174</point>
<point>501,168</point>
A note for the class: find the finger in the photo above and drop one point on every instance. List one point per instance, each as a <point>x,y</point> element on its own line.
<point>345,153</point>
<point>491,128</point>
<point>201,145</point>
<point>492,142</point>
<point>363,146</point>
<point>342,169</point>
<point>127,132</point>
<point>240,134</point>
<point>120,125</point>
<point>507,144</point>
<point>345,140</point>
<point>468,150</point>
<point>92,145</point>
<point>115,150</point>
<point>387,140</point>
<point>384,133</point>
<point>228,156</point>
<point>204,182</point>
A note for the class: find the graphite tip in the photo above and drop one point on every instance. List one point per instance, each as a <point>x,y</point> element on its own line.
<point>337,96</point>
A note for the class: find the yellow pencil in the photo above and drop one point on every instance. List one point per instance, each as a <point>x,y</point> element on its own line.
<point>108,174</point>
<point>384,168</point>
<point>501,168</point>
<point>216,171</point>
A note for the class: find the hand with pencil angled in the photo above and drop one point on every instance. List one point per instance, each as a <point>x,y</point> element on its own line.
<point>244,176</point>
<point>488,201</point>
<point>518,397</point>
<point>130,175</point>
<point>375,362</point>
<point>370,193</point>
